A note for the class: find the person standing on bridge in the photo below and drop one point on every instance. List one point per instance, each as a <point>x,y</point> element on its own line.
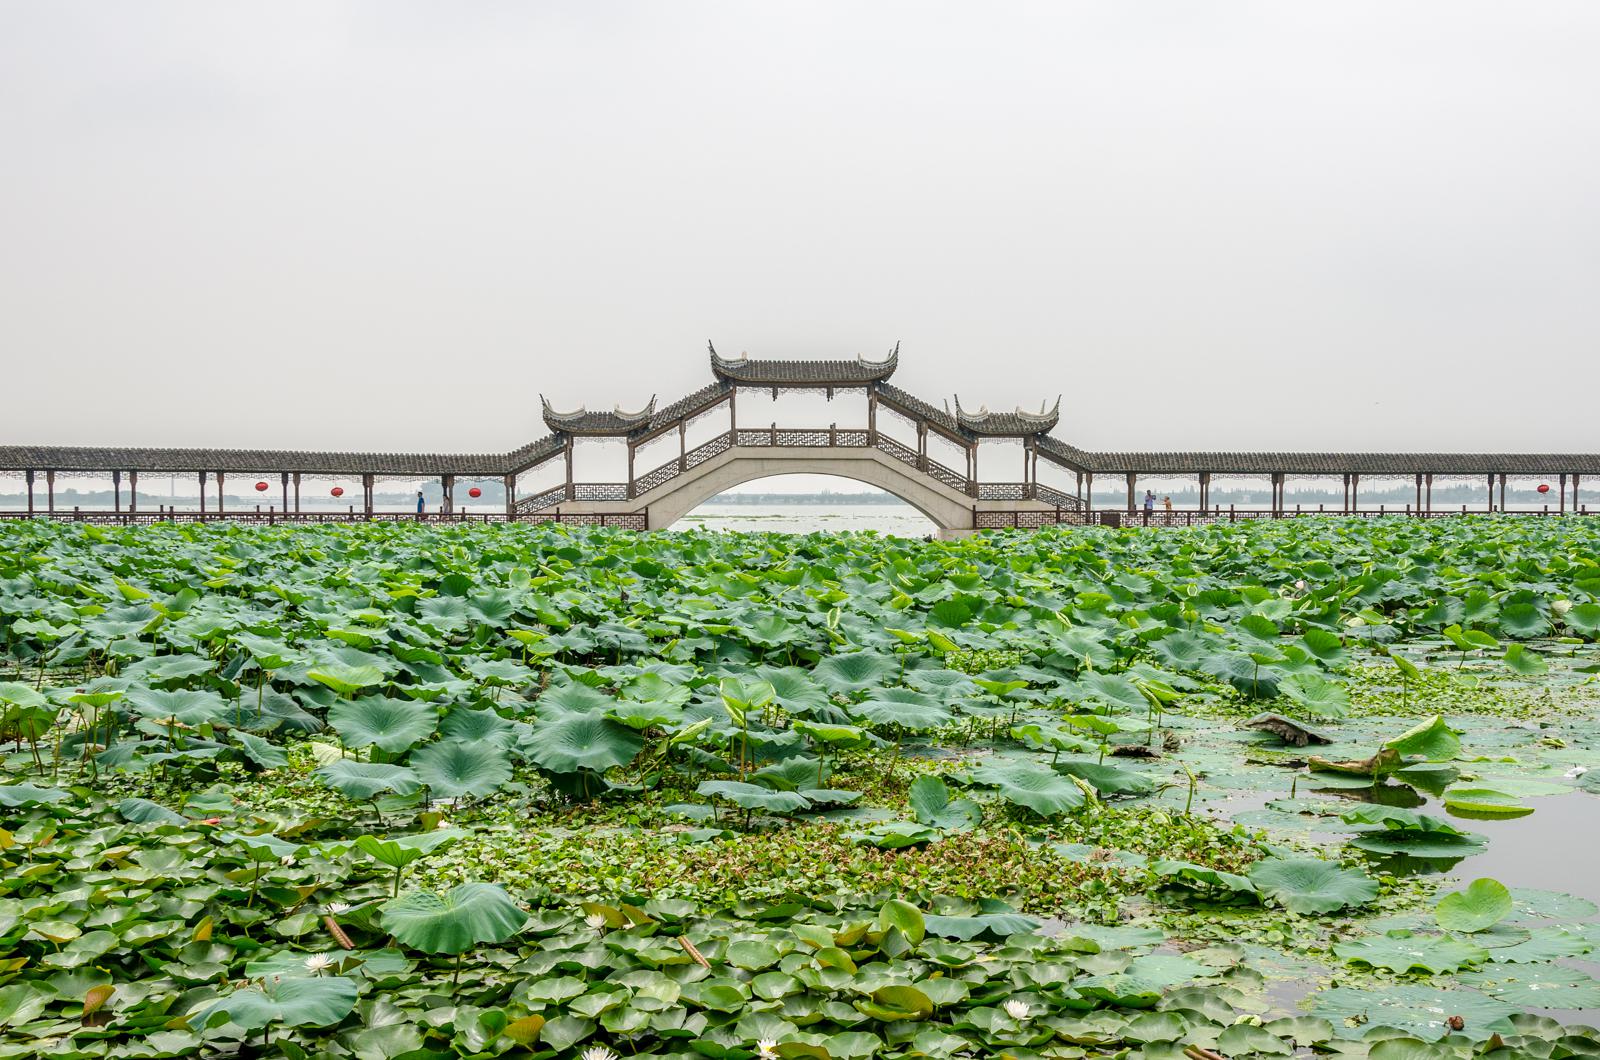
<point>1149,505</point>
<point>1166,503</point>
<point>422,507</point>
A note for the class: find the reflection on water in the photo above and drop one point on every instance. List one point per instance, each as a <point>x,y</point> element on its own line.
<point>1553,848</point>
<point>901,520</point>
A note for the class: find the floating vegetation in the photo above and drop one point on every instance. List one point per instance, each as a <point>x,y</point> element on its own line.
<point>399,790</point>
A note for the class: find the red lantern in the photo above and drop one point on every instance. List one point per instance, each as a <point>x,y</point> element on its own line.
<point>1544,487</point>
<point>337,491</point>
<point>261,487</point>
<point>474,492</point>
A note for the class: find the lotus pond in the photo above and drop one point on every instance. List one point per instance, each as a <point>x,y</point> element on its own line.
<point>1299,788</point>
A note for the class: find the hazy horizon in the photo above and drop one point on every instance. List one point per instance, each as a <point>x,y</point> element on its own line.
<point>363,225</point>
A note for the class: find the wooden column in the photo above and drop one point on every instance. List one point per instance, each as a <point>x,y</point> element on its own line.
<point>1563,507</point>
<point>447,493</point>
<point>1277,493</point>
<point>116,491</point>
<point>511,495</point>
<point>1419,491</point>
<point>872,415</point>
<point>568,457</point>
<point>1502,491</point>
<point>202,493</point>
<point>296,478</point>
<point>219,493</point>
<point>922,445</point>
<point>1347,491</point>
<point>133,491</point>
<point>1355,492</point>
<point>50,490</point>
<point>683,447</point>
<point>29,476</point>
<point>1428,495</point>
<point>366,493</point>
<point>283,482</point>
<point>1132,486</point>
<point>1205,490</point>
<point>1491,491</point>
<point>1576,480</point>
<point>733,412</point>
<point>630,470</point>
<point>1088,491</point>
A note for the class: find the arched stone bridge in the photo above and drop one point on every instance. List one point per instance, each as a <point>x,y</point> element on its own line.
<point>926,455</point>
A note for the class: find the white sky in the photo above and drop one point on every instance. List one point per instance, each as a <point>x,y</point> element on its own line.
<point>393,224</point>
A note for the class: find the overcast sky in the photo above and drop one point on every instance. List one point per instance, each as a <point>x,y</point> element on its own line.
<point>393,224</point>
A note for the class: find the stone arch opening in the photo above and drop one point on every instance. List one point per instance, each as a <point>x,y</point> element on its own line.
<point>804,503</point>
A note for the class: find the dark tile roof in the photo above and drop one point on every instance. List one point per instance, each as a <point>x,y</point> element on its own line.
<point>1339,463</point>
<point>616,422</point>
<point>690,405</point>
<point>262,461</point>
<point>1007,424</point>
<point>1077,458</point>
<point>915,407</point>
<point>857,372</point>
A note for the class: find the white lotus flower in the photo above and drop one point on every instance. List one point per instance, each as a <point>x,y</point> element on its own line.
<point>767,1049</point>
<point>1575,772</point>
<point>286,861</point>
<point>599,1052</point>
<point>318,961</point>
<point>1017,1010</point>
<point>335,908</point>
<point>595,920</point>
<point>1300,585</point>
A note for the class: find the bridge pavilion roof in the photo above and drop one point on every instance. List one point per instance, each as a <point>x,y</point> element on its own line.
<point>1008,424</point>
<point>613,423</point>
<point>858,372</point>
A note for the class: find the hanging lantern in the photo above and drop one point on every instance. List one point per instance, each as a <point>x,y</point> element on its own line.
<point>337,491</point>
<point>474,492</point>
<point>261,487</point>
<point>1544,487</point>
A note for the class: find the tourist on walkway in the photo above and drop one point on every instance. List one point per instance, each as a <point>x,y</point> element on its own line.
<point>422,507</point>
<point>1149,505</point>
<point>1166,503</point>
